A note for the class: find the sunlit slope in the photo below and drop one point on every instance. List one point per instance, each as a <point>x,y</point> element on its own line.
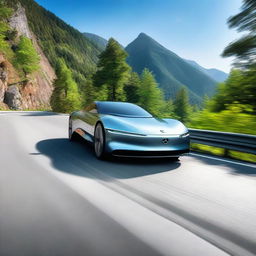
<point>171,71</point>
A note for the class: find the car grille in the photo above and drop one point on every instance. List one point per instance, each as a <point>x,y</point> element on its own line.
<point>148,153</point>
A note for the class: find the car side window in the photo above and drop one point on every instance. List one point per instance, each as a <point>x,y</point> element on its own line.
<point>92,109</point>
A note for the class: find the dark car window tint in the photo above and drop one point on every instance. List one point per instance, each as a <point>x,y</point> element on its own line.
<point>92,109</point>
<point>122,109</point>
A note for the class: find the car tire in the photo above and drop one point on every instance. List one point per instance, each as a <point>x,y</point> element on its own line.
<point>99,141</point>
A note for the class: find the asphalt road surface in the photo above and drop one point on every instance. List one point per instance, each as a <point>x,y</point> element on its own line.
<point>57,199</point>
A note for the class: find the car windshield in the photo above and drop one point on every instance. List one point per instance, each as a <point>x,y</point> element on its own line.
<point>122,109</point>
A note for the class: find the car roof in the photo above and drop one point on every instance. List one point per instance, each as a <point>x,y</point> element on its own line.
<point>113,102</point>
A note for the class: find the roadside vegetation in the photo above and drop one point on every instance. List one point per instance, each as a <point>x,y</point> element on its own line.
<point>26,57</point>
<point>233,108</point>
<point>65,97</point>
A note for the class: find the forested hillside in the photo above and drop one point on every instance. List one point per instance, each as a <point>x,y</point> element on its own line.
<point>59,40</point>
<point>99,41</point>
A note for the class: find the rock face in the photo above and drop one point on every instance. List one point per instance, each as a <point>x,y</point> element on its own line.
<point>36,90</point>
<point>3,88</point>
<point>13,98</point>
<point>19,22</point>
<point>3,77</point>
<point>3,81</point>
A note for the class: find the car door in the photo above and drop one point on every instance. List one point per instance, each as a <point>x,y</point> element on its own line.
<point>89,118</point>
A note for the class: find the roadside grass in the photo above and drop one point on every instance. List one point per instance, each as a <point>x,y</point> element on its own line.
<point>222,152</point>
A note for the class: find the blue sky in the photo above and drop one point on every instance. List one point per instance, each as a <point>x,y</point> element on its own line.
<point>193,29</point>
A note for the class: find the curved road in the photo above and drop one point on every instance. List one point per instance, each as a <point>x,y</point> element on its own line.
<point>56,199</point>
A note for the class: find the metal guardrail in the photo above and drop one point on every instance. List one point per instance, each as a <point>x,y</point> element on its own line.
<point>227,140</point>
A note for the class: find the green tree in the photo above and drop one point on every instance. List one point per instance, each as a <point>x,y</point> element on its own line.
<point>65,97</point>
<point>5,13</point>
<point>102,93</point>
<point>89,92</point>
<point>181,106</point>
<point>151,97</point>
<point>244,49</point>
<point>85,88</point>
<point>113,71</point>
<point>167,110</point>
<point>239,88</point>
<point>132,88</point>
<point>26,56</point>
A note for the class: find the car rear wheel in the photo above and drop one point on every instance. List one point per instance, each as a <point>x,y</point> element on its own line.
<point>99,141</point>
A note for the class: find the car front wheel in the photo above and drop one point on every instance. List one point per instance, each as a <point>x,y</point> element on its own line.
<point>99,141</point>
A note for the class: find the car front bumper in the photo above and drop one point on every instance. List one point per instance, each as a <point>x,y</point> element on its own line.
<point>135,145</point>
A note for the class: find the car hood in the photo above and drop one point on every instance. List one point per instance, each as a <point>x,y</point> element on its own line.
<point>145,126</point>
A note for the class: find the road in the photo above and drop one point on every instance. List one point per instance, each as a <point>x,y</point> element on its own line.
<point>57,199</point>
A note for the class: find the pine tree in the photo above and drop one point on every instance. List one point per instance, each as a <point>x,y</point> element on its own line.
<point>181,105</point>
<point>113,71</point>
<point>245,47</point>
<point>229,92</point>
<point>151,97</point>
<point>168,110</point>
<point>89,92</point>
<point>26,56</point>
<point>65,97</point>
<point>132,88</point>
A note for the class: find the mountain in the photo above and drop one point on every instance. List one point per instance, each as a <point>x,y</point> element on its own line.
<point>60,40</point>
<point>99,41</point>
<point>171,71</point>
<point>215,74</point>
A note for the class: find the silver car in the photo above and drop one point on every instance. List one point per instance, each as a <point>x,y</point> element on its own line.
<point>127,130</point>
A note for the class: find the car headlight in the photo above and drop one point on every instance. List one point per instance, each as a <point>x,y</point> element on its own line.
<point>124,133</point>
<point>184,135</point>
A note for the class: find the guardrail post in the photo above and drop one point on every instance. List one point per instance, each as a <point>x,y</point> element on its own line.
<point>226,152</point>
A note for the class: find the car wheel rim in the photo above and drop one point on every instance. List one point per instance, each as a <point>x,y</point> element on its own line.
<point>98,143</point>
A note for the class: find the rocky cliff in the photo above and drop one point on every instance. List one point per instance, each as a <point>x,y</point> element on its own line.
<point>33,92</point>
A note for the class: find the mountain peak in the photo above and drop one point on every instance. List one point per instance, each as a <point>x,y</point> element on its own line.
<point>142,34</point>
<point>144,40</point>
